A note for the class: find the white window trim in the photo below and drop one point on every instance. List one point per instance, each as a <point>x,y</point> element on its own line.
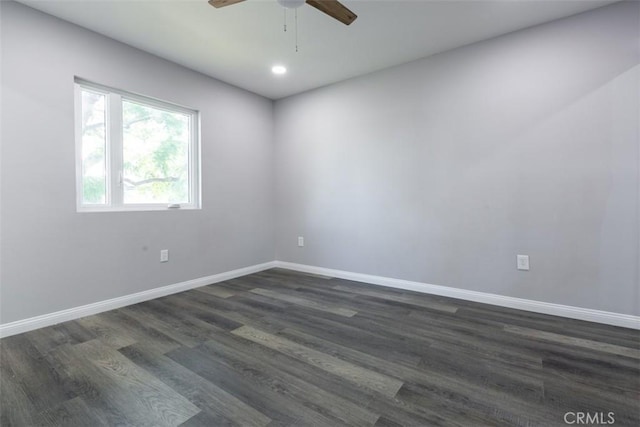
<point>113,153</point>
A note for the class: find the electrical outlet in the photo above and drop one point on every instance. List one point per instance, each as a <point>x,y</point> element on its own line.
<point>300,241</point>
<point>164,255</point>
<point>522,262</point>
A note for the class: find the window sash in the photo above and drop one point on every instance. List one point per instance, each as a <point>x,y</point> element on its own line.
<point>114,186</point>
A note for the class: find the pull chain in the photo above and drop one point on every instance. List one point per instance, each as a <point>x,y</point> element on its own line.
<point>295,25</point>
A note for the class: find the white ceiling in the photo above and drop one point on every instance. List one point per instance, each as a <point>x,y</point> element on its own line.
<point>238,44</point>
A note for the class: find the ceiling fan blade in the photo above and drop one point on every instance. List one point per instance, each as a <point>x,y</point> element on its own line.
<point>334,9</point>
<point>222,3</point>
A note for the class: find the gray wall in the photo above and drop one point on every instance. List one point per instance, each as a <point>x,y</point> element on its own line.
<point>438,171</point>
<point>54,258</point>
<point>442,170</point>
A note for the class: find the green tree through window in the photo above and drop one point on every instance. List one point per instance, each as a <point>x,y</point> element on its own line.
<point>155,155</point>
<point>134,152</point>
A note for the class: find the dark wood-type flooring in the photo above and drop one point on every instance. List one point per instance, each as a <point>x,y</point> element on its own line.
<point>279,348</point>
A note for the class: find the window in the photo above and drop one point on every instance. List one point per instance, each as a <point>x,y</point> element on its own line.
<point>133,152</point>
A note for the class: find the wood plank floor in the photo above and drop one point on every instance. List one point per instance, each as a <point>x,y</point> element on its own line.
<point>279,348</point>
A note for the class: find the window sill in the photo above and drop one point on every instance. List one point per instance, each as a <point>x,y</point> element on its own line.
<point>134,208</point>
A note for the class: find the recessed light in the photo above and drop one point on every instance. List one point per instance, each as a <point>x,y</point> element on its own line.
<point>278,69</point>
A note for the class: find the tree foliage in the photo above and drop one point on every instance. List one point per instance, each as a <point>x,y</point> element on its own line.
<point>93,148</point>
<point>155,146</point>
<point>155,153</point>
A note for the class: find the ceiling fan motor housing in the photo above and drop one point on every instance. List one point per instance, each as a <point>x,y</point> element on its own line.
<point>291,4</point>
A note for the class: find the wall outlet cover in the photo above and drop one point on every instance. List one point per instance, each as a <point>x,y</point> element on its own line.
<point>522,262</point>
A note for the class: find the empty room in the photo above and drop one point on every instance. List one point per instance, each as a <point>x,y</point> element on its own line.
<point>319,213</point>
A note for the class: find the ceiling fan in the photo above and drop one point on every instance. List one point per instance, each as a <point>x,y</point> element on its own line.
<point>333,8</point>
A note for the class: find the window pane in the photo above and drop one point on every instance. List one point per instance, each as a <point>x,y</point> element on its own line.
<point>94,133</point>
<point>155,150</point>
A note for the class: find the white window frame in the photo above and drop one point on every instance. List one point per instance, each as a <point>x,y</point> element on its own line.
<point>114,134</point>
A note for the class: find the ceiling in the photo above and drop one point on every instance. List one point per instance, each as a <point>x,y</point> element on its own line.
<point>240,43</point>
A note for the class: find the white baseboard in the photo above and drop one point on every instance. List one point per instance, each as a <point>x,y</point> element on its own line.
<point>590,315</point>
<point>32,323</point>
<point>609,318</point>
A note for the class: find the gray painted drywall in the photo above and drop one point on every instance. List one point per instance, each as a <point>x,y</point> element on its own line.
<point>54,258</point>
<point>438,171</point>
<point>442,170</point>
